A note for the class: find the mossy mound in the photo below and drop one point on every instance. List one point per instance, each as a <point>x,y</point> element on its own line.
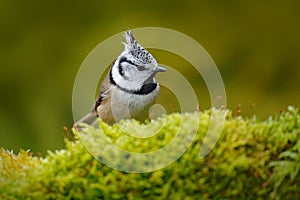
<point>252,160</point>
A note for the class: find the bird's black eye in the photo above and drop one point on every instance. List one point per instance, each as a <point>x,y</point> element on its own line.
<point>141,68</point>
<point>124,59</point>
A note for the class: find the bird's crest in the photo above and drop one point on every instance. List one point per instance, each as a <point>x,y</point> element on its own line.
<point>136,50</point>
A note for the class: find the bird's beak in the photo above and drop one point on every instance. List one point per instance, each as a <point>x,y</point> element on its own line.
<point>160,69</point>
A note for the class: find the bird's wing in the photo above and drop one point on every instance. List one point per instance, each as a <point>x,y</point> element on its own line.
<point>104,90</point>
<point>91,117</point>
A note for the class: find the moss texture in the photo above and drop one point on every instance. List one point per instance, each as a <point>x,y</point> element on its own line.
<point>252,160</point>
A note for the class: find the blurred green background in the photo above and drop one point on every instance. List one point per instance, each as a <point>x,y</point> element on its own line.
<point>255,44</point>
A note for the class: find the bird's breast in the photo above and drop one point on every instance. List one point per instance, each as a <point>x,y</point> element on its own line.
<point>124,105</point>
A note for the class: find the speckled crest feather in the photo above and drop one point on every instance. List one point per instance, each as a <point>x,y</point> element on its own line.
<point>136,50</point>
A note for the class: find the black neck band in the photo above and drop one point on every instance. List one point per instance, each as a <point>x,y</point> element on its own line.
<point>147,88</point>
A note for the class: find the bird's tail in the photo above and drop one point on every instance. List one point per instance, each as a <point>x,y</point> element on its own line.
<point>90,119</point>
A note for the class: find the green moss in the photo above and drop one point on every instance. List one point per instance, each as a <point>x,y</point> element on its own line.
<point>252,160</point>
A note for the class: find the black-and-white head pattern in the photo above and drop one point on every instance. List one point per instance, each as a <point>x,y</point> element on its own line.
<point>141,55</point>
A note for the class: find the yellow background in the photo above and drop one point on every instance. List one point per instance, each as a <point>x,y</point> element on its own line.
<point>255,44</point>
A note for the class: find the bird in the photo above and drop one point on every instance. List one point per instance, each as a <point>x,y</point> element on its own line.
<point>129,88</point>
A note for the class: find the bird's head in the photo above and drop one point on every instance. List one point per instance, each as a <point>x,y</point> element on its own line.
<point>135,65</point>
